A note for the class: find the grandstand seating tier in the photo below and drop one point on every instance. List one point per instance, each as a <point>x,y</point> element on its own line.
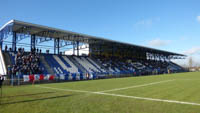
<point>61,64</point>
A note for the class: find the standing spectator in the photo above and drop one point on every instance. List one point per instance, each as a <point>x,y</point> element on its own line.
<point>6,47</point>
<point>1,80</point>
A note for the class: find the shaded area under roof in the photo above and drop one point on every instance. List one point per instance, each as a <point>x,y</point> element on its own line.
<point>44,31</point>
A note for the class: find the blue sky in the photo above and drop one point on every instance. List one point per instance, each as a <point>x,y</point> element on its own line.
<point>171,25</point>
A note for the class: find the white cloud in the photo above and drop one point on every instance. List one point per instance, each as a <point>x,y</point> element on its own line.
<point>185,62</point>
<point>194,50</point>
<point>144,22</point>
<point>184,38</point>
<point>147,22</point>
<point>158,42</point>
<point>193,53</point>
<point>198,18</point>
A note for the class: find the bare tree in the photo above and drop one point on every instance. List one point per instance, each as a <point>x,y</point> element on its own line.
<point>190,62</point>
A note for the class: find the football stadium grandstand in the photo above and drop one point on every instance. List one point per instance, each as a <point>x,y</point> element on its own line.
<point>34,52</point>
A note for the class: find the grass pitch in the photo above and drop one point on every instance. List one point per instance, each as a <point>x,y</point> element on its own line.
<point>174,93</point>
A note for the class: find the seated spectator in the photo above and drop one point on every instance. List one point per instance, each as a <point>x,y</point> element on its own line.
<point>26,64</point>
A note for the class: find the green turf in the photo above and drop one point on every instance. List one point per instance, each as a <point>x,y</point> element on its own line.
<point>34,99</point>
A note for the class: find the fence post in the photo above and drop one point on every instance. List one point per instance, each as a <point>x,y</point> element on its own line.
<point>18,76</point>
<point>12,79</point>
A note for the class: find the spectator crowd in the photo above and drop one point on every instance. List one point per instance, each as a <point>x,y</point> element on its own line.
<point>26,63</point>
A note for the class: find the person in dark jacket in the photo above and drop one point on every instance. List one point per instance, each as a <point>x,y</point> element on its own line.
<point>1,80</point>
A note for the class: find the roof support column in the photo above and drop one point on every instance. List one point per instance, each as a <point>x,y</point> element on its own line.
<point>58,45</point>
<point>90,50</point>
<point>77,48</point>
<point>74,46</point>
<point>14,42</point>
<point>112,51</point>
<point>154,55</point>
<point>33,42</point>
<point>1,41</point>
<point>100,49</point>
<point>160,58</point>
<point>54,46</point>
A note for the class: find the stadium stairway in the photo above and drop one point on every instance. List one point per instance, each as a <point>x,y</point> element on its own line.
<point>55,66</point>
<point>60,62</point>
<point>176,66</point>
<point>45,64</point>
<point>7,59</point>
<point>80,67</point>
<point>98,64</point>
<point>89,67</point>
<point>65,62</point>
<point>95,65</point>
<point>72,68</point>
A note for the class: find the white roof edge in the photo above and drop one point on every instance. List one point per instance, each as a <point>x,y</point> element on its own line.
<point>11,21</point>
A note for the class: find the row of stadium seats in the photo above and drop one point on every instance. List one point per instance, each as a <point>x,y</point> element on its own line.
<point>61,64</point>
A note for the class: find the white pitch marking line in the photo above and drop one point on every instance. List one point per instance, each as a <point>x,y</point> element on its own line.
<point>152,99</point>
<point>153,83</point>
<point>124,96</point>
<point>78,91</point>
<point>188,79</point>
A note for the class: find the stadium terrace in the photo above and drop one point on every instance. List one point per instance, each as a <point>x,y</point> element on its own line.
<point>32,52</point>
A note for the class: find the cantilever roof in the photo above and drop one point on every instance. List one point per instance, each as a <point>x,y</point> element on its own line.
<point>44,31</point>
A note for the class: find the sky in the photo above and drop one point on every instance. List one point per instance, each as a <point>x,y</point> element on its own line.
<point>171,25</point>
